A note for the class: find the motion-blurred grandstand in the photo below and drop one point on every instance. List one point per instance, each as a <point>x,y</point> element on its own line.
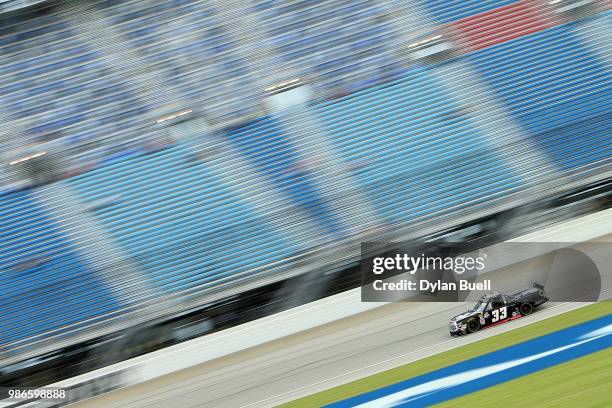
<point>169,168</point>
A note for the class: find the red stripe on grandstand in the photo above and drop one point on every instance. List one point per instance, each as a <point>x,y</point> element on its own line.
<point>507,36</point>
<point>508,22</point>
<point>491,15</point>
<point>501,24</point>
<point>484,16</point>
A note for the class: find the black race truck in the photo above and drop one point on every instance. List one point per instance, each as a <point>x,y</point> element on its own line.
<point>496,308</point>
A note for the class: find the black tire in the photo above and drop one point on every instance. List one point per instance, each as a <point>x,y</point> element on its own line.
<point>473,326</point>
<point>526,309</point>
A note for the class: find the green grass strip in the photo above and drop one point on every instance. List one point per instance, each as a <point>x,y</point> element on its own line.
<point>584,382</point>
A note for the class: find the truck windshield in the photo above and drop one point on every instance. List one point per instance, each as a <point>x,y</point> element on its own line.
<point>480,306</point>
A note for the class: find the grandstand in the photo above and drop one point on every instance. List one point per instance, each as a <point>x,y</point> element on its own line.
<point>179,223</point>
<point>251,195</point>
<point>416,158</point>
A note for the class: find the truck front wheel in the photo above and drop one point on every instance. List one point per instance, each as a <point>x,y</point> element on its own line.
<point>473,326</point>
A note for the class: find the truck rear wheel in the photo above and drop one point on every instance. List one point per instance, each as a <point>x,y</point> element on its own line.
<point>526,309</point>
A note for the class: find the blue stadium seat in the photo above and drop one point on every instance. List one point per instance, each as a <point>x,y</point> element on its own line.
<point>555,88</point>
<point>264,145</point>
<point>411,160</point>
<point>179,222</point>
<point>45,285</point>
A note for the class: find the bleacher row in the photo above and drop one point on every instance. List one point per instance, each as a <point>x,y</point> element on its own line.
<point>45,284</point>
<point>412,150</point>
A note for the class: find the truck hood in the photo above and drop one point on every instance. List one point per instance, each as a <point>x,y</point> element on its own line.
<point>463,316</point>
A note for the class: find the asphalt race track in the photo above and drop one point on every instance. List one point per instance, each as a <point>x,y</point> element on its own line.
<point>318,359</point>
